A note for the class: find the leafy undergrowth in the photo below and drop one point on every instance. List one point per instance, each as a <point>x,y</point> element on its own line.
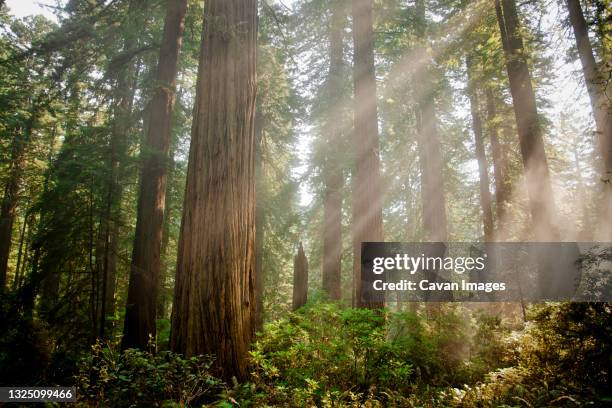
<point>328,356</point>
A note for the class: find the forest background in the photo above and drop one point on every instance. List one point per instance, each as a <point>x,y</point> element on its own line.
<point>393,120</point>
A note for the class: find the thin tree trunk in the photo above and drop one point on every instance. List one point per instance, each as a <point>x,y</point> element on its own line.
<point>21,252</point>
<point>300,279</point>
<point>333,177</point>
<point>164,291</point>
<point>529,128</point>
<point>214,298</point>
<point>428,140</point>
<point>601,111</point>
<point>125,90</point>
<point>146,257</point>
<point>367,192</point>
<point>485,194</point>
<point>499,164</point>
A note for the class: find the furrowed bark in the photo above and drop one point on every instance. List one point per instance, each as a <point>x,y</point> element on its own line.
<point>214,293</point>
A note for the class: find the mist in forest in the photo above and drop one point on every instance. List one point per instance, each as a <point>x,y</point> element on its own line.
<point>187,187</point>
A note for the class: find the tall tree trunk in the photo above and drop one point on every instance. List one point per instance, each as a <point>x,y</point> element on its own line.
<point>601,110</point>
<point>367,192</point>
<point>529,129</point>
<point>485,194</point>
<point>125,90</point>
<point>164,291</point>
<point>11,192</point>
<point>214,298</point>
<point>333,177</point>
<point>499,164</point>
<point>146,257</point>
<point>300,279</point>
<point>428,140</point>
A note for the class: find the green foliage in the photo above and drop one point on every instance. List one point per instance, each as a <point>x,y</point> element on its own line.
<point>563,359</point>
<point>141,379</point>
<point>324,354</point>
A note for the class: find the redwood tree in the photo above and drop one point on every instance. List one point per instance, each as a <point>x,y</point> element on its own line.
<point>430,149</point>
<point>144,274</point>
<point>600,104</point>
<point>367,194</point>
<point>332,173</point>
<point>300,279</point>
<point>537,175</point>
<point>214,290</point>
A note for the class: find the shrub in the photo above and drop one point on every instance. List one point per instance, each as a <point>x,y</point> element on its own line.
<point>136,378</point>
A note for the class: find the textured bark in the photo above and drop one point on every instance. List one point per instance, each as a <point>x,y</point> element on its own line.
<point>600,104</point>
<point>146,257</point>
<point>300,279</point>
<point>499,163</point>
<point>485,194</point>
<point>214,292</point>
<point>332,173</point>
<point>529,129</point>
<point>367,192</point>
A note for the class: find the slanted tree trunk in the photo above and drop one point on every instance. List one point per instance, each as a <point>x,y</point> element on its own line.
<point>367,192</point>
<point>537,175</point>
<point>600,104</point>
<point>214,298</point>
<point>332,173</point>
<point>485,194</point>
<point>300,279</point>
<point>146,257</point>
<point>499,164</point>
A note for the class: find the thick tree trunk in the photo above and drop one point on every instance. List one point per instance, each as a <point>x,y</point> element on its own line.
<point>600,104</point>
<point>499,164</point>
<point>333,177</point>
<point>367,192</point>
<point>146,256</point>
<point>300,279</point>
<point>529,128</point>
<point>214,298</point>
<point>485,194</point>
